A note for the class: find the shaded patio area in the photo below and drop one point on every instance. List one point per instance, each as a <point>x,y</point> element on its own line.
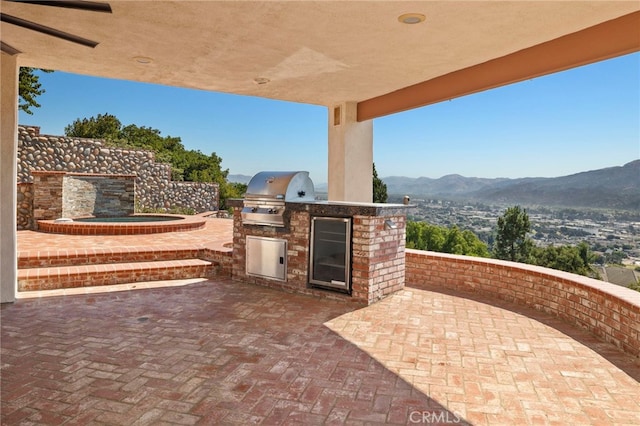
<point>223,352</point>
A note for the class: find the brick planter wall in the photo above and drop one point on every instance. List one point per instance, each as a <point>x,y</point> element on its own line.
<point>610,312</point>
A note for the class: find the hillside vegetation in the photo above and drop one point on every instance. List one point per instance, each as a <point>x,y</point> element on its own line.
<point>186,165</point>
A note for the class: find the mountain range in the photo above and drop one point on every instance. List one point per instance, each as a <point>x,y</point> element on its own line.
<point>611,187</point>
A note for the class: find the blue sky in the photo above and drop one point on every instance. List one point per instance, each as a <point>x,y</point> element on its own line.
<point>583,119</point>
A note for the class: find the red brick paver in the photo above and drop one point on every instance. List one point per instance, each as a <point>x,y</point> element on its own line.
<point>215,235</point>
<point>231,353</point>
<point>497,363</point>
<point>54,261</point>
<point>206,353</point>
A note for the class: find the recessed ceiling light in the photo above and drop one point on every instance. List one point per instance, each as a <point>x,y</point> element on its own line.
<point>142,59</point>
<point>411,18</point>
<point>261,80</point>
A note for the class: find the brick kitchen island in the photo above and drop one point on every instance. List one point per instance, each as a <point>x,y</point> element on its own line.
<point>377,245</point>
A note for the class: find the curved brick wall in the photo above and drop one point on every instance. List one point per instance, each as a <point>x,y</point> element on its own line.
<point>154,187</point>
<point>611,312</point>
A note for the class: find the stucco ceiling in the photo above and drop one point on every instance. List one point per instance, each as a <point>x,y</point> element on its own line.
<point>317,52</point>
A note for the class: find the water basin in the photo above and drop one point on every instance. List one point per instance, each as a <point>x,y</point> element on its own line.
<point>125,225</point>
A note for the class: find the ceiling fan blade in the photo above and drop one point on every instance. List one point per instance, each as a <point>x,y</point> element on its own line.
<point>47,30</point>
<point>90,6</point>
<point>9,50</point>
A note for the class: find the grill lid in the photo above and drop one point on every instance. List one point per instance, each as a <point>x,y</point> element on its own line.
<point>267,192</point>
<point>281,186</point>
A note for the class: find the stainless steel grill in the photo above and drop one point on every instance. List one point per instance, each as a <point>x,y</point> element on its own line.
<point>267,193</point>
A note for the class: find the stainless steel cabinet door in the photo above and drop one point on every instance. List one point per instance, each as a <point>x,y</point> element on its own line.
<point>267,257</point>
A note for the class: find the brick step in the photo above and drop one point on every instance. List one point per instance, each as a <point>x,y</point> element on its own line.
<point>108,274</point>
<point>71,257</point>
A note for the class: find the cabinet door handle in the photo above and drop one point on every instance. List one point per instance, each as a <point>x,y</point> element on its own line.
<point>281,260</point>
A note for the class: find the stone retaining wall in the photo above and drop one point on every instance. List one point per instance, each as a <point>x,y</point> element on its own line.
<point>609,311</point>
<point>25,206</point>
<point>154,188</point>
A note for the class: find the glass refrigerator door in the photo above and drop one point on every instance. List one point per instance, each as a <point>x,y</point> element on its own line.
<point>331,253</point>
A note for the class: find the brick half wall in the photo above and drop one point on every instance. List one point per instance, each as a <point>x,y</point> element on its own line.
<point>610,312</point>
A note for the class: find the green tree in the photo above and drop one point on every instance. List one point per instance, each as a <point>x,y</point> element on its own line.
<point>585,253</point>
<point>614,257</point>
<point>574,259</point>
<point>474,245</point>
<point>186,165</point>
<point>29,88</point>
<point>379,188</point>
<point>423,236</point>
<point>511,236</point>
<point>232,190</point>
<point>147,138</point>
<point>104,126</point>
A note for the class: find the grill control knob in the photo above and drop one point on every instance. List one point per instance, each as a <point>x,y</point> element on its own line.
<point>254,209</point>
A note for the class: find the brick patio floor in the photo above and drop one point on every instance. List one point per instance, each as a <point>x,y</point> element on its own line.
<point>215,234</point>
<point>222,352</point>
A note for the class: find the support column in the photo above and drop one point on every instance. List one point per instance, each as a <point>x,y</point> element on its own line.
<point>350,162</point>
<point>9,72</point>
